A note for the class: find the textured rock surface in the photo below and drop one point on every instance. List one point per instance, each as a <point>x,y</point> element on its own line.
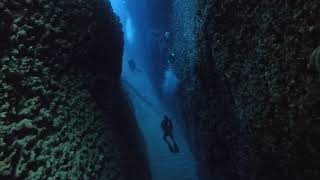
<point>54,57</point>
<point>255,98</point>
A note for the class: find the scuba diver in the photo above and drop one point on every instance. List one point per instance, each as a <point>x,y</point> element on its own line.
<point>166,125</point>
<point>133,66</point>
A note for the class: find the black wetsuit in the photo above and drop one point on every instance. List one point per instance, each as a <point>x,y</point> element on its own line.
<point>167,127</point>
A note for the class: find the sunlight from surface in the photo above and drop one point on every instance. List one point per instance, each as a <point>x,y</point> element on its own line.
<point>152,85</point>
<point>170,83</point>
<point>129,30</point>
<point>120,8</point>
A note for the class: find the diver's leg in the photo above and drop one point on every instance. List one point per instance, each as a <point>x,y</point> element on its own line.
<point>174,148</point>
<point>165,137</point>
<point>171,137</point>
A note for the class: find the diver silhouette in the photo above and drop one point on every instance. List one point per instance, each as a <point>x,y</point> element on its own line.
<point>133,66</point>
<point>166,125</point>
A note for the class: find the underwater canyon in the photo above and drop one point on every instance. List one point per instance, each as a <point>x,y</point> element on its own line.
<point>85,86</point>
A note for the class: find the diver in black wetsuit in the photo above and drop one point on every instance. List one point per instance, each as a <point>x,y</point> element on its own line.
<point>166,125</point>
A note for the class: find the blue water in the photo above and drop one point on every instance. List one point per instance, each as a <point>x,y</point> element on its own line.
<point>146,39</point>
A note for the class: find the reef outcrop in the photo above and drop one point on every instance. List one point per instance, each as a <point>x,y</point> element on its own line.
<point>60,65</point>
<point>252,91</point>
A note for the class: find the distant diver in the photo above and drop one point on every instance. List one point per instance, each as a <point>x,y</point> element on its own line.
<point>133,66</point>
<point>167,35</point>
<point>166,125</point>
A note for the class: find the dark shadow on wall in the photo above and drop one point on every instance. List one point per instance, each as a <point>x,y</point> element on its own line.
<point>213,121</point>
<point>217,133</point>
<point>134,161</point>
<point>103,45</point>
<point>117,107</point>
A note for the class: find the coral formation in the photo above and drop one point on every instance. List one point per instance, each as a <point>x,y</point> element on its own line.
<point>52,55</point>
<point>252,107</point>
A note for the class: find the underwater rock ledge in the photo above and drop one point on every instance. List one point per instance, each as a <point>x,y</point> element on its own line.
<point>56,57</point>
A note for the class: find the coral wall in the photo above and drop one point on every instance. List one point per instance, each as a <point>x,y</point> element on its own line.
<point>60,64</point>
<point>255,96</point>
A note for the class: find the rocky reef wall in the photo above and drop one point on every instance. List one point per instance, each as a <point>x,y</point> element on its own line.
<point>252,103</point>
<point>60,65</point>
